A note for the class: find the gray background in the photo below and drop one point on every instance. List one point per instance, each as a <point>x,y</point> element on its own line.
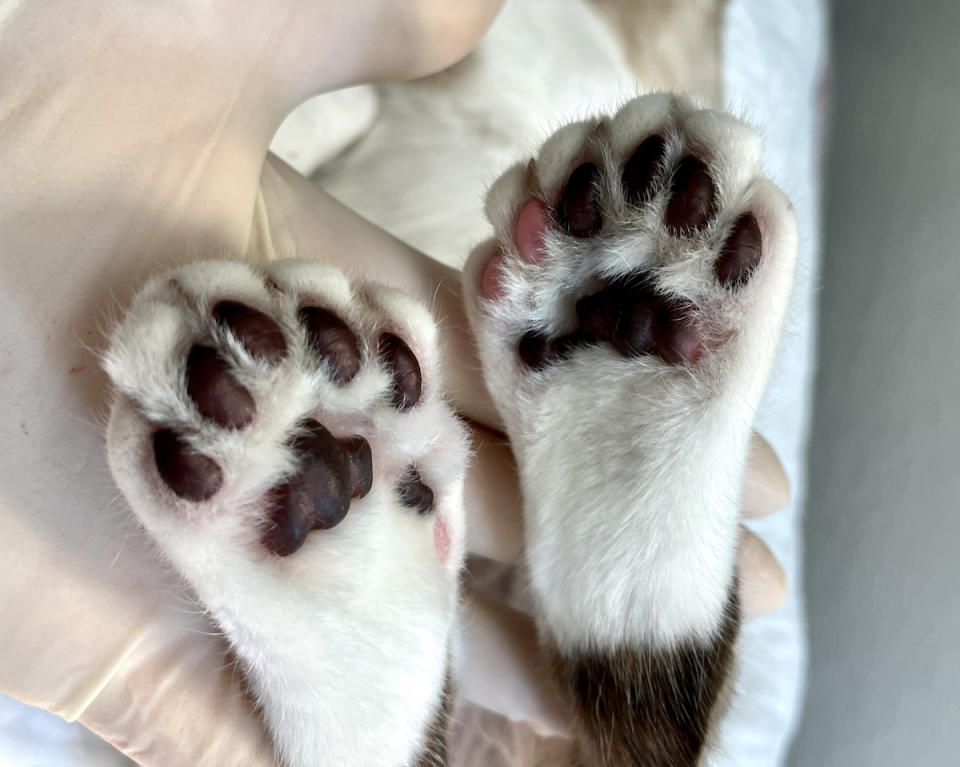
<point>883,523</point>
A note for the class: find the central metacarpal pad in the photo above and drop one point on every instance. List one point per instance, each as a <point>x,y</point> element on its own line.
<point>632,316</point>
<point>629,315</point>
<point>318,496</point>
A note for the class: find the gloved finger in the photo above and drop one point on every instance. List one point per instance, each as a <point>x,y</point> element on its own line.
<point>367,42</point>
<point>491,498</point>
<point>763,581</point>
<point>484,738</point>
<point>766,488</point>
<point>501,668</point>
<point>178,698</point>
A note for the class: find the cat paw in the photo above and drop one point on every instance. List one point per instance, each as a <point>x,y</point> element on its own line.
<point>648,240</point>
<point>627,314</point>
<point>282,435</point>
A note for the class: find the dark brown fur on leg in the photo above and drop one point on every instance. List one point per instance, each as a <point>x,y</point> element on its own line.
<point>434,752</point>
<point>649,707</point>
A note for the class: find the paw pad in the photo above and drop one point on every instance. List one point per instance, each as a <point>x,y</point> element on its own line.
<point>579,208</point>
<point>257,332</point>
<point>537,350</point>
<point>629,315</point>
<point>331,340</point>
<point>741,252</point>
<point>190,475</point>
<point>317,497</point>
<point>215,392</point>
<point>692,197</point>
<point>407,380</point>
<point>414,494</point>
<point>642,168</point>
<point>285,409</point>
<point>647,265</point>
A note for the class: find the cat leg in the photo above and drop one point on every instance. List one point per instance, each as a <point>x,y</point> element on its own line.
<point>282,436</point>
<point>627,315</point>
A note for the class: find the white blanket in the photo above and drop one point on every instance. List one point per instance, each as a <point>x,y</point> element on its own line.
<point>774,74</point>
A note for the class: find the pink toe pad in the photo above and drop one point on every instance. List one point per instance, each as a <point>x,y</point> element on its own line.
<point>441,539</point>
<point>490,285</point>
<point>529,232</point>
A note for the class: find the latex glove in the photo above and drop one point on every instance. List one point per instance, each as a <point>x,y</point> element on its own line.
<point>131,139</point>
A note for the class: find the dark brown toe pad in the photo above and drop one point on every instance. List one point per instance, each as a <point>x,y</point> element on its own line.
<point>215,391</point>
<point>741,253</point>
<point>692,197</point>
<point>188,474</point>
<point>257,332</point>
<point>579,207</point>
<point>404,370</point>
<point>332,341</point>
<point>642,168</point>
<point>414,494</point>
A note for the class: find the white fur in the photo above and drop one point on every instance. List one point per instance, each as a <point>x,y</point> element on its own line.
<point>631,468</point>
<point>345,642</point>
